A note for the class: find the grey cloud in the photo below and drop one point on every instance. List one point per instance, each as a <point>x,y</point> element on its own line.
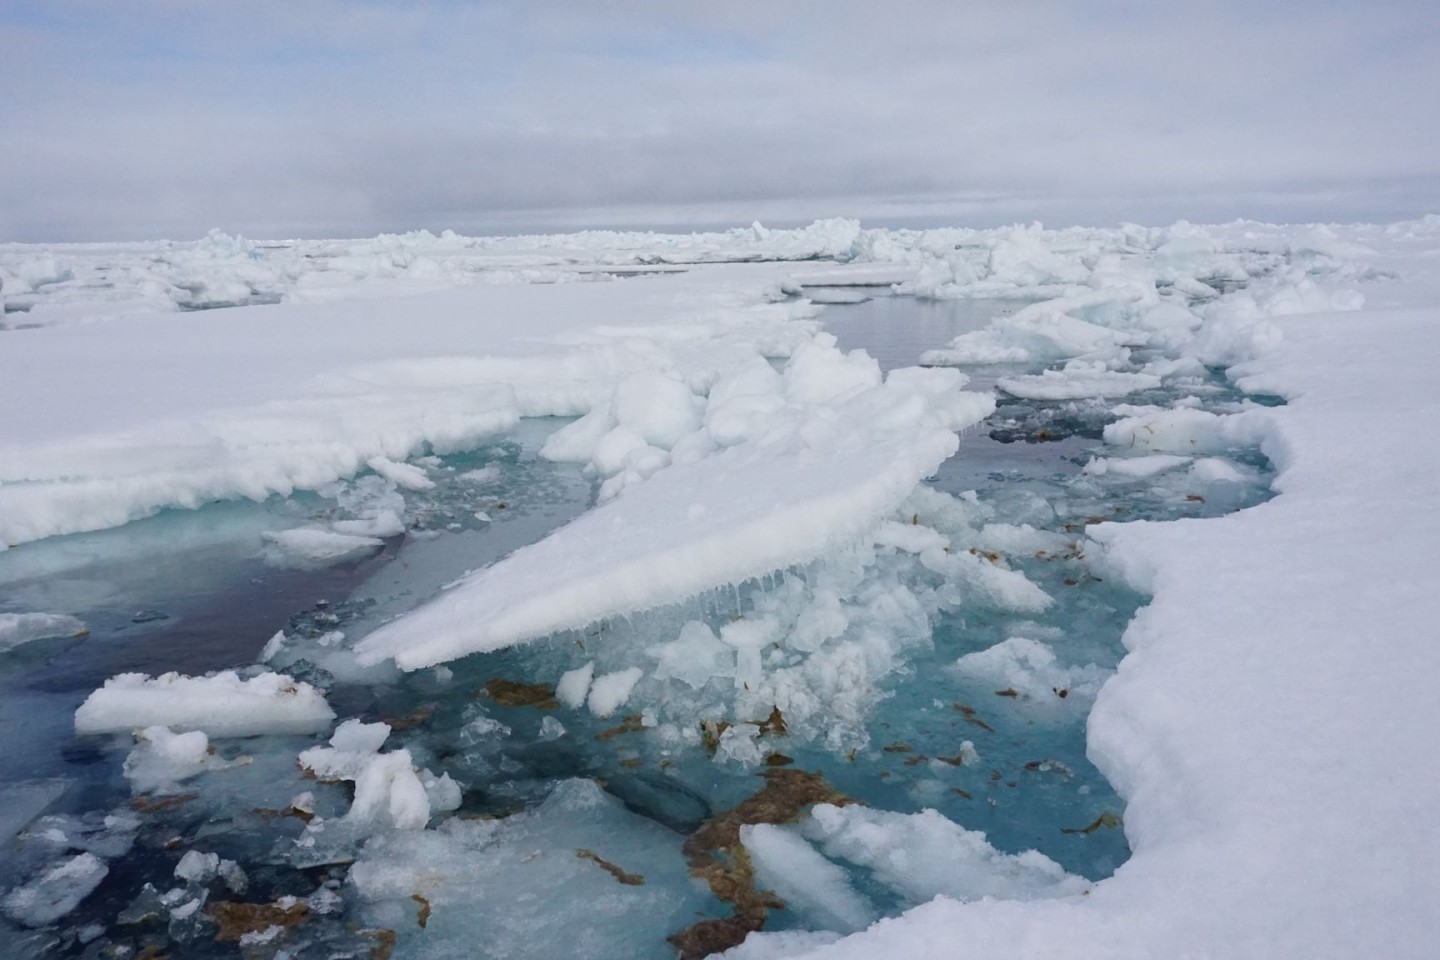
<point>312,120</point>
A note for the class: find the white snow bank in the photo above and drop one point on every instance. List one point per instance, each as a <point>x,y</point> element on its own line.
<point>221,705</point>
<point>20,628</point>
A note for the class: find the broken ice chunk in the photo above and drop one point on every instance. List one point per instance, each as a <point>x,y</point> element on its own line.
<point>1030,668</point>
<point>693,657</point>
<point>574,685</point>
<point>222,705</point>
<point>609,693</point>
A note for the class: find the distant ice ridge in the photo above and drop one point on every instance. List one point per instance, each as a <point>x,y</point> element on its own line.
<point>49,284</point>
<point>771,470</point>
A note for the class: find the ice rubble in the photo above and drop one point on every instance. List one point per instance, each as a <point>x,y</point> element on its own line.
<point>221,705</point>
<point>389,791</point>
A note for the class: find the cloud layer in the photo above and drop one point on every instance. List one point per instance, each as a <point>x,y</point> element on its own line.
<point>162,117</point>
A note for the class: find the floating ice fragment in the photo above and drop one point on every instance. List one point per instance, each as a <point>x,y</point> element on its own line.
<point>1077,381</point>
<point>407,476</point>
<point>222,705</point>
<point>197,867</point>
<point>162,758</point>
<point>609,692</point>
<point>1134,468</point>
<point>1030,668</point>
<point>694,657</point>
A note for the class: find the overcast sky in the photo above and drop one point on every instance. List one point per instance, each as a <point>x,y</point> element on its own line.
<point>283,118</point>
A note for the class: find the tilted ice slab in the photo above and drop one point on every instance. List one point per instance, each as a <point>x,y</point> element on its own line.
<point>818,480</point>
<point>1271,729</point>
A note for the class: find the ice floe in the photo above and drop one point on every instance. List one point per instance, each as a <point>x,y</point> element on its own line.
<point>221,705</point>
